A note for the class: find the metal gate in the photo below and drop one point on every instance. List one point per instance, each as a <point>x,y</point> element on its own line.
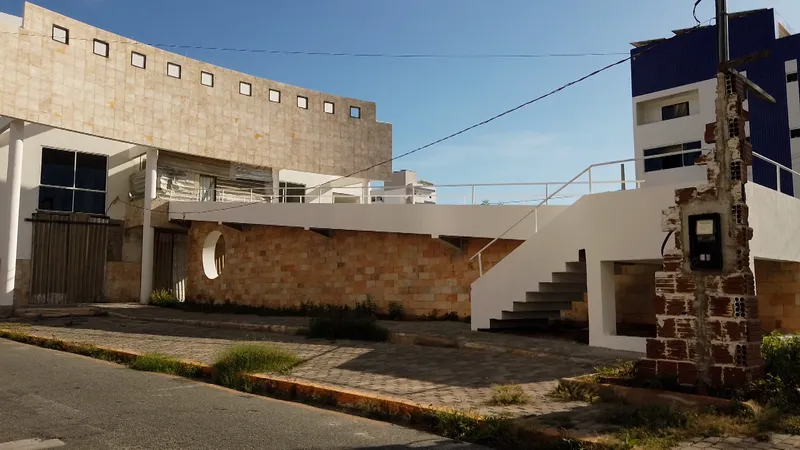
<point>169,261</point>
<point>68,258</point>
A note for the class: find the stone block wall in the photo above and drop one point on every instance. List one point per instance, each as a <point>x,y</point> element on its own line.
<point>122,281</point>
<point>283,266</point>
<point>778,288</point>
<point>22,283</point>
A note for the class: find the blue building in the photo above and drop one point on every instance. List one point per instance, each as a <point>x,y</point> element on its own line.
<point>673,88</point>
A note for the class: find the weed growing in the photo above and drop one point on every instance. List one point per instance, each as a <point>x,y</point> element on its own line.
<point>508,394</point>
<point>156,362</point>
<point>236,362</point>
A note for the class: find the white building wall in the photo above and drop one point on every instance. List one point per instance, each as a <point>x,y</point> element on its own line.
<point>310,180</point>
<point>37,136</point>
<point>793,103</point>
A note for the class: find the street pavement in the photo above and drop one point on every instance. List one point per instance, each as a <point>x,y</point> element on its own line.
<point>50,399</point>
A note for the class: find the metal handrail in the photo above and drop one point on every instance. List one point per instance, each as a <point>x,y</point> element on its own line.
<point>778,168</point>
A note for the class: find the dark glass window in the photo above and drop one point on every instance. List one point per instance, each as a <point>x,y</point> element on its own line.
<point>58,167</point>
<point>55,199</point>
<point>791,78</point>
<point>670,112</point>
<point>672,161</point>
<point>90,172</point>
<point>795,133</point>
<point>72,182</point>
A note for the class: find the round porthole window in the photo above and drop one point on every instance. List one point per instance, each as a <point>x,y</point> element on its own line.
<point>213,254</point>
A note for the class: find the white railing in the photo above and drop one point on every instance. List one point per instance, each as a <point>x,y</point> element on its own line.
<point>778,168</point>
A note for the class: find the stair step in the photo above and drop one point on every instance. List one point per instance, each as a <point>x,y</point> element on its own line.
<point>542,306</point>
<point>569,277</point>
<point>541,315</point>
<point>554,297</point>
<point>550,286</point>
<point>509,324</point>
<point>576,266</point>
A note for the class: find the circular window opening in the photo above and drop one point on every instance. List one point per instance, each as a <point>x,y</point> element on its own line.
<point>213,254</point>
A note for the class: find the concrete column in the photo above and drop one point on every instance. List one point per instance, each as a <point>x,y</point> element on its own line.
<point>148,234</point>
<point>366,196</point>
<point>14,183</point>
<point>602,302</point>
<point>276,185</point>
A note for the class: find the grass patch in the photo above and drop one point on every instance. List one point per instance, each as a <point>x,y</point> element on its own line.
<point>163,298</point>
<point>508,394</point>
<point>624,370</point>
<point>244,359</point>
<point>156,362</point>
<point>574,392</point>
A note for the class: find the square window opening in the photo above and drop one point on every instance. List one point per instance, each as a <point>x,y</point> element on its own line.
<point>327,107</point>
<point>675,111</point>
<point>207,79</point>
<point>138,60</point>
<point>173,70</point>
<point>274,96</point>
<point>100,48</point>
<point>72,181</point>
<point>791,78</point>
<point>355,112</point>
<point>245,88</point>
<point>795,133</point>
<point>60,34</point>
<point>302,102</point>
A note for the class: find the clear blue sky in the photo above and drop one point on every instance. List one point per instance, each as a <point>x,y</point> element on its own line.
<point>426,99</point>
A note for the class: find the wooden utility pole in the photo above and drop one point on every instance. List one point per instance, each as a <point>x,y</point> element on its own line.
<point>708,334</point>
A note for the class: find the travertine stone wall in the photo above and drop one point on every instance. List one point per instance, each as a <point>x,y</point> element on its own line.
<point>283,266</point>
<point>778,288</point>
<point>68,86</point>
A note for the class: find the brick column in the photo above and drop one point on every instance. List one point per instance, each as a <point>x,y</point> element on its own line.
<point>708,332</point>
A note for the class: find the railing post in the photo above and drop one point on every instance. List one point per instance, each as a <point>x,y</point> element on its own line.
<point>622,175</point>
<point>251,196</point>
<point>591,189</point>
<point>546,193</point>
<point>778,178</point>
<point>473,194</point>
<point>536,220</point>
<point>413,195</point>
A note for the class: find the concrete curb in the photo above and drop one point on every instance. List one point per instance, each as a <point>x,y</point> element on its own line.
<point>304,391</point>
<point>398,338</point>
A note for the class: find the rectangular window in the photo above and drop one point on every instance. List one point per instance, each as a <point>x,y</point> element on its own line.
<point>60,34</point>
<point>173,70</point>
<point>795,133</point>
<point>327,107</point>
<point>274,96</point>
<point>138,60</point>
<point>302,102</point>
<point>245,88</point>
<point>208,188</point>
<point>670,112</point>
<point>291,192</point>
<point>100,48</point>
<point>207,79</point>
<point>355,112</point>
<point>73,182</point>
<point>671,161</point>
<point>791,78</point>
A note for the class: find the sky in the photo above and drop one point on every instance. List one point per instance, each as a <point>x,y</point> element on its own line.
<point>425,99</point>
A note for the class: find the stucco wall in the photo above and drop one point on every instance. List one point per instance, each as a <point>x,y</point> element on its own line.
<point>68,86</point>
<point>282,266</point>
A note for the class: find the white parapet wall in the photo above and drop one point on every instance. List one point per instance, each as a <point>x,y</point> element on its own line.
<point>481,221</point>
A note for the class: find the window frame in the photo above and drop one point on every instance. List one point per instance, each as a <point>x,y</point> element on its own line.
<point>94,48</point>
<point>325,104</point>
<point>675,106</point>
<point>66,34</point>
<point>73,189</point>
<point>203,72</point>
<point>180,70</point>
<point>269,95</point>
<point>358,112</point>
<point>301,97</point>
<point>249,88</point>
<point>656,164</point>
<point>144,60</point>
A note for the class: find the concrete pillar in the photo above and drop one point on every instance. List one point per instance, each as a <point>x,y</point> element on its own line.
<point>14,183</point>
<point>602,302</point>
<point>148,234</point>
<point>366,196</point>
<point>276,185</point>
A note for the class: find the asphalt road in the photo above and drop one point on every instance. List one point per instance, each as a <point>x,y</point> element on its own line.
<point>50,399</point>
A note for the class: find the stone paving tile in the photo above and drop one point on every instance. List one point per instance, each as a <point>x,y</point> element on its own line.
<point>439,376</point>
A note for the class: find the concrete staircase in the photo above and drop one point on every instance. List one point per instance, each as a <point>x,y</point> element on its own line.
<point>545,305</point>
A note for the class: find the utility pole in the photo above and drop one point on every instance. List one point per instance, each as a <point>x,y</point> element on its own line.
<point>708,334</point>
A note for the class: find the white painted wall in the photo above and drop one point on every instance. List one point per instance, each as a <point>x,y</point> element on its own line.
<point>793,99</point>
<point>775,219</point>
<point>437,220</point>
<point>311,180</point>
<point>38,136</point>
<point>9,22</point>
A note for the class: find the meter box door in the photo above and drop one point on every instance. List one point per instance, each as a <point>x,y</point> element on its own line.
<point>705,242</point>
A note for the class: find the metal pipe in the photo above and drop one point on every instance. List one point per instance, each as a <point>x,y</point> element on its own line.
<point>723,48</point>
<point>622,176</point>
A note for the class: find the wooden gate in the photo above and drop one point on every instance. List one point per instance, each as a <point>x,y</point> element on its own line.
<point>169,261</point>
<point>68,258</point>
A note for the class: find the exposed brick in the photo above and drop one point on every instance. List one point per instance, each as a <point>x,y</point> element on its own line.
<point>687,373</point>
<point>666,328</point>
<point>667,369</point>
<point>646,368</point>
<point>656,349</point>
<point>722,354</point>
<point>677,349</point>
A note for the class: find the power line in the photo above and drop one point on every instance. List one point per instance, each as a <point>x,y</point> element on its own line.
<point>350,54</point>
<point>694,11</point>
<point>483,122</point>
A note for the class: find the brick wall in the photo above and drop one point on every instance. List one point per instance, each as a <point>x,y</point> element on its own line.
<point>282,266</point>
<point>122,281</point>
<point>778,288</point>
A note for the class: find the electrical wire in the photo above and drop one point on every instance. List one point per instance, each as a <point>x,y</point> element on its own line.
<point>694,11</point>
<point>477,125</point>
<point>348,54</point>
